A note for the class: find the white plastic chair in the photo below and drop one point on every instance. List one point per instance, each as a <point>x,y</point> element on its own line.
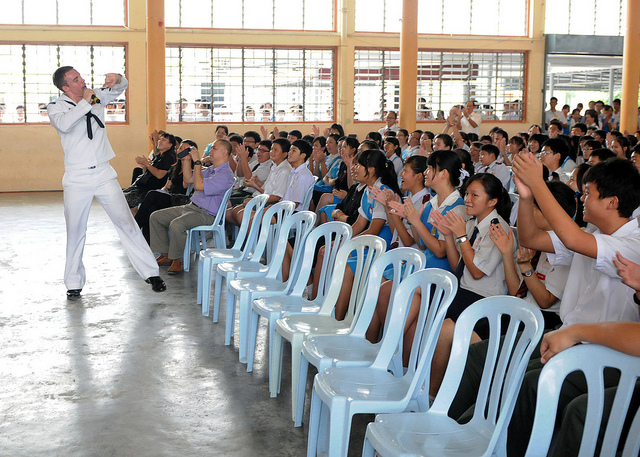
<point>241,249</point>
<point>353,349</point>
<point>196,237</point>
<point>307,196</point>
<point>590,359</point>
<point>434,433</point>
<point>268,225</point>
<point>332,235</point>
<point>295,328</point>
<point>271,286</point>
<point>301,224</point>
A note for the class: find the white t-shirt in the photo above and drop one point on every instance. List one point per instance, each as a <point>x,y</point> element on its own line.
<point>278,180</point>
<point>554,278</point>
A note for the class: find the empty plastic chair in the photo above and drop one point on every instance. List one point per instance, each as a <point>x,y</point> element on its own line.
<point>241,249</point>
<point>301,224</point>
<point>352,348</point>
<point>332,235</point>
<point>434,433</point>
<point>295,328</point>
<point>196,237</point>
<point>271,286</point>
<point>591,360</point>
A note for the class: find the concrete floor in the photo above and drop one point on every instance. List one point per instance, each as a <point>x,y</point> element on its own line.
<point>122,371</point>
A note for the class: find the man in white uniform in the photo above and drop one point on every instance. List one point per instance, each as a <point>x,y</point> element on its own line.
<point>78,117</point>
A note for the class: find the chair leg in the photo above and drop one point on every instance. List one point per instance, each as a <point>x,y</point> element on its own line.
<point>231,317</point>
<point>316,417</point>
<point>296,355</point>
<point>243,318</point>
<point>252,337</point>
<point>207,270</point>
<point>302,390</point>
<point>367,448</point>
<point>339,427</point>
<point>186,255</point>
<point>217,295</point>
<point>275,366</point>
<point>199,289</point>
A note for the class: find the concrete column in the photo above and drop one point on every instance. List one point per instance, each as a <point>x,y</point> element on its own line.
<point>409,65</point>
<point>156,104</point>
<point>630,69</point>
<point>345,70</point>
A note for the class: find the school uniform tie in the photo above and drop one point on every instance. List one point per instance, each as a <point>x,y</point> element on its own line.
<point>460,267</point>
<point>90,115</point>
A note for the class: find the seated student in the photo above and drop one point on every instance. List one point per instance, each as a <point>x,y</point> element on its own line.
<point>393,153</point>
<point>544,283</point>
<point>373,170</point>
<point>414,144</point>
<point>555,128</point>
<point>348,147</point>
<point>535,142</point>
<point>600,155</point>
<point>155,170</point>
<point>260,169</point>
<point>276,184</point>
<point>376,138</point>
<point>594,292</point>
<point>326,164</point>
<point>621,147</point>
<point>635,156</point>
<point>301,179</point>
<point>514,146</point>
<point>403,139</point>
<point>443,175</point>
<point>555,156</point>
<point>169,226</point>
<point>174,192</point>
<point>489,155</point>
<point>294,135</point>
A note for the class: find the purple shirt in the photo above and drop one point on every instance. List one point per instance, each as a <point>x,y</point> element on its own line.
<point>216,182</point>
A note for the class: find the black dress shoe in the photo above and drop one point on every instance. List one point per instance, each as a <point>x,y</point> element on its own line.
<point>73,294</point>
<point>157,284</point>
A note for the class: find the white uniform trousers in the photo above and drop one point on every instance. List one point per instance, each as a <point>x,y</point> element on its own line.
<point>80,187</point>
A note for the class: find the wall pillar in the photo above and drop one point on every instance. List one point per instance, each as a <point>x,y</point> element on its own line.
<point>630,69</point>
<point>156,43</point>
<point>409,65</point>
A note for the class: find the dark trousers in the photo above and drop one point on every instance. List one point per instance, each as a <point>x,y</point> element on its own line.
<point>153,201</point>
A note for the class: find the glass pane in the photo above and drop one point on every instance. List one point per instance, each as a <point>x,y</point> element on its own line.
<point>484,18</point>
<point>227,14</point>
<point>108,13</point>
<point>393,15</point>
<point>172,13</point>
<point>581,18</point>
<point>319,79</point>
<point>40,11</point>
<point>72,12</point>
<point>457,17</point>
<point>288,14</point>
<point>557,17</point>
<point>607,16</point>
<point>11,84</point>
<point>259,82</point>
<point>513,18</point>
<point>258,14</point>
<point>41,62</point>
<point>318,14</point>
<point>430,16</point>
<point>369,17</point>
<point>196,13</point>
<point>11,13</point>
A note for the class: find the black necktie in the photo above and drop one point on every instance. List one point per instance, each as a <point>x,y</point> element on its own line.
<point>460,267</point>
<point>255,167</point>
<point>100,124</point>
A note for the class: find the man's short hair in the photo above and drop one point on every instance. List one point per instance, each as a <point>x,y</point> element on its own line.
<point>405,131</point>
<point>58,77</point>
<point>296,133</point>
<point>304,147</point>
<point>227,145</point>
<point>253,134</point>
<point>446,139</point>
<point>266,143</point>
<point>616,177</point>
<point>553,98</point>
<point>602,153</point>
<point>557,123</point>
<point>284,144</point>
<point>235,138</point>
<point>558,146</point>
<point>581,126</point>
<point>491,149</point>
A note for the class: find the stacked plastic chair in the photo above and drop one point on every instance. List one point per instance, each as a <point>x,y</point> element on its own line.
<point>352,348</point>
<point>241,250</point>
<point>295,328</point>
<point>434,433</point>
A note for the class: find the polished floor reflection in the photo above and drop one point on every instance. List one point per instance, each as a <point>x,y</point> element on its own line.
<point>123,371</point>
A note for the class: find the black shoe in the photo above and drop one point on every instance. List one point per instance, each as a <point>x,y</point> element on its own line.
<point>73,294</point>
<point>157,284</point>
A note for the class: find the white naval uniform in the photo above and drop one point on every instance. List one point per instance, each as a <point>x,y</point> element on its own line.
<point>88,175</point>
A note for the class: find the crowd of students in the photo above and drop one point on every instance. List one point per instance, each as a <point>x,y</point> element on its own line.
<point>459,197</point>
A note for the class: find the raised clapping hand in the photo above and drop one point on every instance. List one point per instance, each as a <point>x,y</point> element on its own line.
<point>528,169</point>
<point>381,196</point>
<point>315,130</point>
<point>523,190</point>
<point>142,161</point>
<point>627,270</point>
<point>339,193</point>
<point>440,222</point>
<point>525,255</point>
<point>502,240</point>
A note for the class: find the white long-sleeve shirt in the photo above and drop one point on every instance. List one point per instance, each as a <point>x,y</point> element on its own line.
<point>70,121</point>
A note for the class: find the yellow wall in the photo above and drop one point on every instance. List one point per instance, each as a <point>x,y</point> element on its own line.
<point>32,155</point>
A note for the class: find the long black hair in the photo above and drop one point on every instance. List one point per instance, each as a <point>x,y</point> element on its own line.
<point>494,189</point>
<point>383,168</point>
<point>447,160</point>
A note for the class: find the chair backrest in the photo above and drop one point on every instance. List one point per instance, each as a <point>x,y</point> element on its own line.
<point>272,220</point>
<point>367,250</point>
<point>332,235</point>
<point>404,262</point>
<point>307,195</point>
<point>301,223</point>
<point>248,232</point>
<point>591,360</point>
<point>504,366</point>
<point>220,220</point>
<point>437,289</point>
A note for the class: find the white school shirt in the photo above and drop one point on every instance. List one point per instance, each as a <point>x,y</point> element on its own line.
<point>278,180</point>
<point>487,258</point>
<point>499,170</point>
<point>262,172</point>
<point>594,291</point>
<point>301,180</point>
<point>439,207</point>
<point>466,125</point>
<point>416,199</point>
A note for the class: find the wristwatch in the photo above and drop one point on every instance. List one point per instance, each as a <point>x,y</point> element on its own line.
<point>528,273</point>
<point>197,162</point>
<point>462,239</point>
